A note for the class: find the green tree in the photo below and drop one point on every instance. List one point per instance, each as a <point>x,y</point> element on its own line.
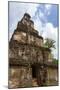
<point>55,61</point>
<point>49,43</point>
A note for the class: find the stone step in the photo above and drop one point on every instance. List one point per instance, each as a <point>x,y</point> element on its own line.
<point>34,82</point>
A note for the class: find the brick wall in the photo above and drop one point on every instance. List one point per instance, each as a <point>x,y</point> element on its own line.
<point>20,77</point>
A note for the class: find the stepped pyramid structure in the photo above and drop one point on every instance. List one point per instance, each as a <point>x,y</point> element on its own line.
<point>28,59</point>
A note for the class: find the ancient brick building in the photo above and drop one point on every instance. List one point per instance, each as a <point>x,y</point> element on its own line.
<point>29,60</point>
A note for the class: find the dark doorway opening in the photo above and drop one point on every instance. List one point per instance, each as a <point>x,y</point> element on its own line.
<point>34,71</point>
<point>34,75</point>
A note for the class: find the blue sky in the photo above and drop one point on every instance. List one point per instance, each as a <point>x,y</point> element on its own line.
<point>45,17</point>
<point>53,16</point>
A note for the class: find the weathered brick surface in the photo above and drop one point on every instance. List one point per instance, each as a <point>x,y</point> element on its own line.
<point>20,77</point>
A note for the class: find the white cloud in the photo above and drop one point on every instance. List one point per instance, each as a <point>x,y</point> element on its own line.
<point>48,6</point>
<point>31,9</point>
<point>38,25</point>
<point>50,31</point>
<point>48,9</point>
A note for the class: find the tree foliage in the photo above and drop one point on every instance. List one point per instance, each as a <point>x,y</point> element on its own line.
<point>49,43</point>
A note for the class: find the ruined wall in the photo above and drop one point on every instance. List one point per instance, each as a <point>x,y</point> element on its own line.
<point>26,50</point>
<point>20,76</point>
<point>40,74</point>
<point>52,74</point>
<point>23,37</point>
<point>26,53</point>
<point>20,37</point>
<point>46,56</point>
